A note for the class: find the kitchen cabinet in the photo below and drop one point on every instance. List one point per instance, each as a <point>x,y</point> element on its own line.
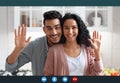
<point>95,17</point>
<point>98,18</point>
<point>32,17</point>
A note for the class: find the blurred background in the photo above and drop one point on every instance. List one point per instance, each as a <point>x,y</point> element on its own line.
<point>104,19</point>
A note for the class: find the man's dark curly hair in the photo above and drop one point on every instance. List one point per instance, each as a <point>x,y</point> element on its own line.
<point>83,33</point>
<point>53,14</point>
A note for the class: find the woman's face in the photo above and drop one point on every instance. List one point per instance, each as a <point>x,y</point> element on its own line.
<point>70,30</point>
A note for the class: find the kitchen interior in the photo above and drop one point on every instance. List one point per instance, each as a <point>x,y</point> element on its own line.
<point>104,19</point>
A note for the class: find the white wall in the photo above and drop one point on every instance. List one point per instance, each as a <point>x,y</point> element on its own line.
<point>3,36</point>
<point>111,42</point>
<point>106,48</point>
<point>116,38</point>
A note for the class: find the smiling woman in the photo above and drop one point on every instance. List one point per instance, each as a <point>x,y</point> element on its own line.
<point>77,54</point>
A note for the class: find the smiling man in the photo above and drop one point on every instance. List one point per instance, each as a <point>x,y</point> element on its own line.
<point>35,51</point>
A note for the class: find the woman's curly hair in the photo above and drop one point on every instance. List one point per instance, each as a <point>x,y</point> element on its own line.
<point>83,33</point>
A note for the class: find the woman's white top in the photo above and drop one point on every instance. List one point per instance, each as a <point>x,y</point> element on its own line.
<point>76,65</point>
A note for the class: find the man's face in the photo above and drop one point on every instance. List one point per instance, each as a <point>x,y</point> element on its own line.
<point>52,29</point>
